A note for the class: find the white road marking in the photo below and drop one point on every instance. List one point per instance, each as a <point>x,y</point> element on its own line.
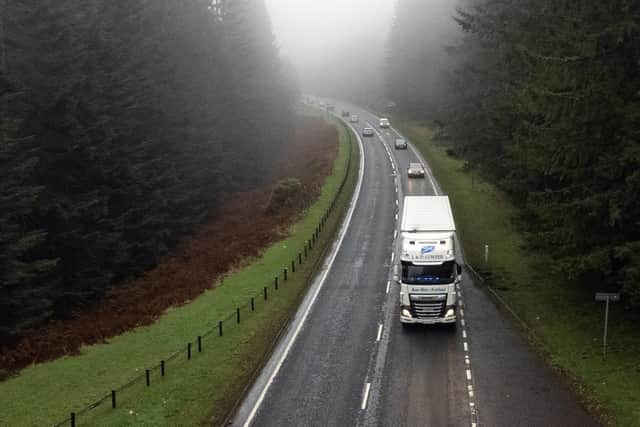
<point>396,217</point>
<point>393,255</point>
<point>379,332</point>
<point>396,202</point>
<point>395,233</point>
<point>462,312</point>
<point>466,346</point>
<point>365,397</point>
<point>468,374</point>
<point>462,322</point>
<point>388,284</point>
<point>464,333</point>
<point>323,277</point>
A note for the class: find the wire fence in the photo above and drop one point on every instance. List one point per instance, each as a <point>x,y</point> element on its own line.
<point>217,330</point>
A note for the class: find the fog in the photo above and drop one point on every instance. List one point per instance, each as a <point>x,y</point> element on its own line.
<point>337,47</point>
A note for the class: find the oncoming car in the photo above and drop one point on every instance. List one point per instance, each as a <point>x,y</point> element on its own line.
<point>384,123</point>
<point>344,113</point>
<point>354,118</point>
<point>367,131</point>
<point>415,170</point>
<point>400,144</point>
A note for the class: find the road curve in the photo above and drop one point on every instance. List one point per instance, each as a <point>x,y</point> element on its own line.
<point>351,363</point>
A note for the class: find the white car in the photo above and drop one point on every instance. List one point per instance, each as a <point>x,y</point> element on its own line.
<point>367,131</point>
<point>400,144</point>
<point>384,123</point>
<point>415,170</point>
<point>354,118</point>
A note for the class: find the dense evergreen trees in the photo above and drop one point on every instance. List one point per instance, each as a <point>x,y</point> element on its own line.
<point>544,100</point>
<point>123,124</point>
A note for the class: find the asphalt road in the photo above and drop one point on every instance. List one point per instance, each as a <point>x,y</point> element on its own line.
<point>345,360</point>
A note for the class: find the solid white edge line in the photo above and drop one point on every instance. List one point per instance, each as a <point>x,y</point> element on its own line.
<point>379,332</point>
<point>325,273</point>
<point>365,396</point>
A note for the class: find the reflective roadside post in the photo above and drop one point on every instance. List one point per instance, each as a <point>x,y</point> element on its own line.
<point>606,297</point>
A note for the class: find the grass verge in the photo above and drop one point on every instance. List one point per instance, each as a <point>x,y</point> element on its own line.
<point>204,388</point>
<point>562,320</point>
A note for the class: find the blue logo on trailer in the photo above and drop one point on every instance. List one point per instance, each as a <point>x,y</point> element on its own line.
<point>427,249</point>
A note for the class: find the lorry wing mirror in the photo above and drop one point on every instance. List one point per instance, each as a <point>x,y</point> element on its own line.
<point>459,268</point>
<point>396,273</point>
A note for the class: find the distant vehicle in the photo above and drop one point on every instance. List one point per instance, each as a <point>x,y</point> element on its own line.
<point>344,113</point>
<point>384,123</point>
<point>321,103</point>
<point>367,131</point>
<point>415,170</point>
<point>354,118</point>
<point>400,144</point>
<point>429,268</point>
<point>330,107</point>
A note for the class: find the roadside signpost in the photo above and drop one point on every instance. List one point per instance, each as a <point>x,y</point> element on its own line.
<point>606,297</point>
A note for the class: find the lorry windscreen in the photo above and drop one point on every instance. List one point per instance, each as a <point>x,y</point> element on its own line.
<point>428,274</point>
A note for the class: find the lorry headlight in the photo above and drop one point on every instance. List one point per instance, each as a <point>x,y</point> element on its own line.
<point>450,312</point>
<point>406,312</point>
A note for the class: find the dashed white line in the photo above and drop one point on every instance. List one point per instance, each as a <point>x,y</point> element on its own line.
<point>462,312</point>
<point>395,233</point>
<point>464,333</point>
<point>462,322</point>
<point>393,256</point>
<point>468,374</point>
<point>388,284</point>
<point>365,396</point>
<point>396,217</point>
<point>466,346</point>
<point>379,332</point>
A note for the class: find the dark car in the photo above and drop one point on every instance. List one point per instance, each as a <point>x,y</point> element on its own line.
<point>367,131</point>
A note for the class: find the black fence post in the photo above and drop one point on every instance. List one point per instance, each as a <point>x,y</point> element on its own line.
<point>146,374</point>
<point>285,274</point>
<point>238,315</point>
<point>293,266</point>
<point>113,399</point>
<point>73,419</point>
<point>299,258</point>
<point>220,328</point>
<point>199,344</point>
<point>162,368</point>
<point>188,351</point>
<point>253,304</point>
<point>265,292</point>
<point>305,251</point>
<point>275,283</point>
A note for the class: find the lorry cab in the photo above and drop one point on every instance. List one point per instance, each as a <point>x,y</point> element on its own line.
<point>428,275</point>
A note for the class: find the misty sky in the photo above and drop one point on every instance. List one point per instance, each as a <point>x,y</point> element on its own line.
<point>307,30</point>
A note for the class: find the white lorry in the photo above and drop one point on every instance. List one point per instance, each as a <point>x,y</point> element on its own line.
<point>428,269</point>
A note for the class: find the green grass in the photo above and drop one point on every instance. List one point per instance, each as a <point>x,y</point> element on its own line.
<point>206,387</point>
<point>562,319</point>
